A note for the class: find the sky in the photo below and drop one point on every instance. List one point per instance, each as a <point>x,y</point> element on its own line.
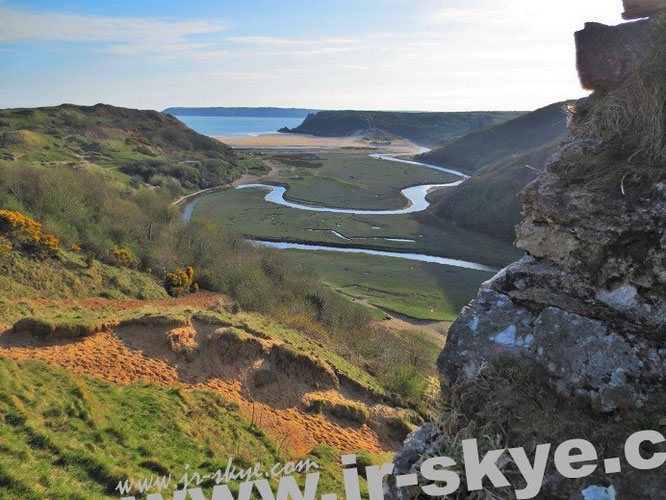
<point>427,55</point>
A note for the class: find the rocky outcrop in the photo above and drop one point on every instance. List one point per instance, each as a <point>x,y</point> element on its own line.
<point>587,301</point>
<point>636,9</point>
<point>586,305</point>
<point>606,53</point>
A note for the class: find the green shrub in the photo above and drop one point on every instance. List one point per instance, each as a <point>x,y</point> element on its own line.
<point>406,381</point>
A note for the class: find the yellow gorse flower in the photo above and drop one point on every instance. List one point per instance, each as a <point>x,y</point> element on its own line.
<point>121,257</point>
<point>25,233</point>
<point>180,282</point>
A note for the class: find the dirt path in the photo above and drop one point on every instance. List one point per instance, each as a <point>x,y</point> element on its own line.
<point>400,322</point>
<point>274,173</point>
<point>202,300</point>
<point>436,330</point>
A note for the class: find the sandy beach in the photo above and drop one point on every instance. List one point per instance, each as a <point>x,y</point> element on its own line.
<point>313,143</point>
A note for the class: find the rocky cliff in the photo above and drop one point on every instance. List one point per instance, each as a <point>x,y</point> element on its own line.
<point>570,341</point>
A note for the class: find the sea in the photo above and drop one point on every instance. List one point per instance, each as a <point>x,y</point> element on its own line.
<point>237,126</point>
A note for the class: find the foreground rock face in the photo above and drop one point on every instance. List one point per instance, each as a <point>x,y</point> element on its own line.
<point>587,302</point>
<point>605,54</point>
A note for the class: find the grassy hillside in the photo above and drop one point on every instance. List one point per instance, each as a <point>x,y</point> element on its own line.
<point>70,276</point>
<point>80,436</point>
<point>146,146</point>
<point>487,201</point>
<point>423,128</point>
<point>85,252</point>
<point>83,199</point>
<point>502,160</point>
<point>477,149</point>
<point>206,368</point>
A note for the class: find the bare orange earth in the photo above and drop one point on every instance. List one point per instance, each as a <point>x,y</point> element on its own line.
<point>137,354</point>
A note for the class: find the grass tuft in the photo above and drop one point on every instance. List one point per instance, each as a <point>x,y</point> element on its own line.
<point>630,123</point>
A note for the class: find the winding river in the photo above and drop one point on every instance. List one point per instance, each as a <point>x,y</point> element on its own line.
<point>416,202</point>
<point>409,256</point>
<point>416,195</point>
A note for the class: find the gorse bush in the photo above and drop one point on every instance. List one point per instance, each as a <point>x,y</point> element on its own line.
<point>120,257</point>
<point>87,208</point>
<point>26,234</point>
<point>180,282</point>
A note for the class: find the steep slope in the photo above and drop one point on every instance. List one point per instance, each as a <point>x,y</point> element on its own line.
<point>487,202</point>
<point>205,368</point>
<point>423,128</point>
<point>477,149</point>
<point>66,435</point>
<point>194,343</point>
<point>502,159</point>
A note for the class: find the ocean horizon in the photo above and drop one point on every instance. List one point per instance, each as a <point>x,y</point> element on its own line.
<point>237,126</point>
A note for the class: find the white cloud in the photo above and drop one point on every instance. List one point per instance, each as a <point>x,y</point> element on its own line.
<point>449,55</point>
<point>276,41</point>
<point>265,40</point>
<point>123,34</point>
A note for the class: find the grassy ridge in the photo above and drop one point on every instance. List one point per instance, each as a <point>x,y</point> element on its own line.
<point>502,160</point>
<point>487,201</point>
<point>145,145</point>
<point>71,277</point>
<point>423,128</point>
<point>512,137</point>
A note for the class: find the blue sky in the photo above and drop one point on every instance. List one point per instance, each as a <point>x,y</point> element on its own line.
<point>446,55</point>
